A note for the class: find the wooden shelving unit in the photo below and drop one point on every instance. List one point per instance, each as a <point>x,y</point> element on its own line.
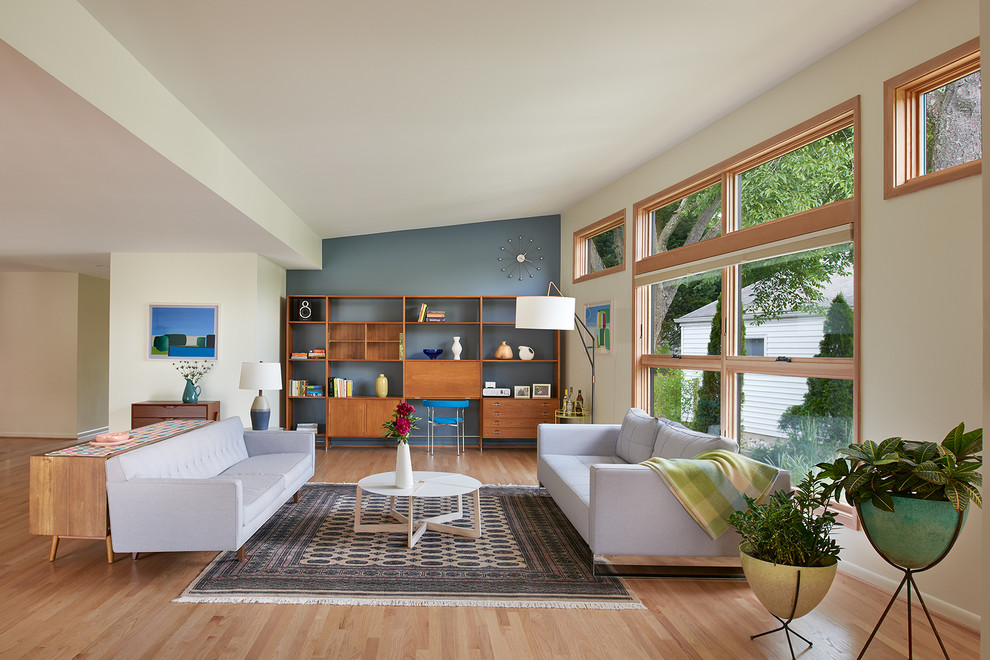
<point>367,335</point>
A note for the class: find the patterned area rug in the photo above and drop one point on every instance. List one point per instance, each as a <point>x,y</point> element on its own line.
<point>529,555</point>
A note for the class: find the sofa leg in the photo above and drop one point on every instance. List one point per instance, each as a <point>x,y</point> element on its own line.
<point>240,554</point>
<point>295,498</point>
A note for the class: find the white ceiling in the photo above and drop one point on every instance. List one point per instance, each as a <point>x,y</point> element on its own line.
<point>382,115</point>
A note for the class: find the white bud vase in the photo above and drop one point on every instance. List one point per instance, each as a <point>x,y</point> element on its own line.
<point>403,466</point>
<point>456,348</point>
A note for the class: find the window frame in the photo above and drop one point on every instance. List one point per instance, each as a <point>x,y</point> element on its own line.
<point>902,121</point>
<point>838,220</point>
<point>583,235</point>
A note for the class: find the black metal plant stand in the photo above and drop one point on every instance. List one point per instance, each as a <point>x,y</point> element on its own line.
<point>908,580</point>
<point>786,625</point>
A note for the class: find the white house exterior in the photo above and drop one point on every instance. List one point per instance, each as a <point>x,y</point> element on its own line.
<point>797,334</point>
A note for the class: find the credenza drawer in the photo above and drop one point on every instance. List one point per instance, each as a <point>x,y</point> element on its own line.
<point>149,412</point>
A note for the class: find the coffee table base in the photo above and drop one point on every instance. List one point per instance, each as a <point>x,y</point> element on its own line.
<point>414,529</point>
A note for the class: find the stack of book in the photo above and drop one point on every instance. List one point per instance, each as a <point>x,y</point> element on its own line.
<point>308,426</point>
<point>341,387</point>
<point>298,356</point>
<point>436,315</point>
<point>317,354</point>
<point>314,390</point>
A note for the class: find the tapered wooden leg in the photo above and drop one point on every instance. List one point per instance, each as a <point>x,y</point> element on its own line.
<point>134,555</point>
<point>51,556</point>
<point>109,550</point>
<point>240,554</point>
<point>295,497</point>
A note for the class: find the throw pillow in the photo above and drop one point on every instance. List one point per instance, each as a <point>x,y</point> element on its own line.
<point>637,436</point>
<point>676,441</point>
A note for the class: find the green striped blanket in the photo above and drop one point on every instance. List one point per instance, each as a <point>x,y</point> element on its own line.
<point>711,485</point>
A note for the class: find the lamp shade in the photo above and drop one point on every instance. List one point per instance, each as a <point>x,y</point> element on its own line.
<point>545,312</point>
<point>261,376</point>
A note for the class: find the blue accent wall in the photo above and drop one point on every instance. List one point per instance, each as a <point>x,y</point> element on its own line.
<point>460,260</point>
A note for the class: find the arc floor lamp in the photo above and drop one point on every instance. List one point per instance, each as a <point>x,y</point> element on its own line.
<point>556,313</point>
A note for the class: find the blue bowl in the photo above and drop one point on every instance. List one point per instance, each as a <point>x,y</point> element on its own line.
<point>433,353</point>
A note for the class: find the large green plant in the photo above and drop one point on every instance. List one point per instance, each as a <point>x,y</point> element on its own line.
<point>790,527</point>
<point>874,472</point>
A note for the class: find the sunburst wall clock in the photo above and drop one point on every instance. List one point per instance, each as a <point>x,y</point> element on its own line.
<point>520,258</point>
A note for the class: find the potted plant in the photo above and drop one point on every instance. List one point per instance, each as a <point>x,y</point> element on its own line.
<point>788,554</point>
<point>911,496</point>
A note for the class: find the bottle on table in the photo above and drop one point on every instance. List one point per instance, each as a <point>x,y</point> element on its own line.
<point>579,404</point>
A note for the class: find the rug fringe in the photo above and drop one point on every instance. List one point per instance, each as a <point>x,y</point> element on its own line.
<point>412,602</point>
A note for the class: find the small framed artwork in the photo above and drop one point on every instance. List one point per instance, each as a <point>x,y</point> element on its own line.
<point>541,390</point>
<point>521,392</point>
<point>187,332</point>
<point>598,318</point>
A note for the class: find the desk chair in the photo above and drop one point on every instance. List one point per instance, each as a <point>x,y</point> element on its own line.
<point>456,422</point>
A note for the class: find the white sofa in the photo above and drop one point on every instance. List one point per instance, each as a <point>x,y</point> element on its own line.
<point>618,506</point>
<point>208,489</point>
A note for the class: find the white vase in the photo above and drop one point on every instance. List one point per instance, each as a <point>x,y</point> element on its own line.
<point>526,353</point>
<point>455,348</point>
<point>403,466</point>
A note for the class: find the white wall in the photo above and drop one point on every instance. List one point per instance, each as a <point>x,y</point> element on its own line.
<point>249,290</point>
<point>908,279</point>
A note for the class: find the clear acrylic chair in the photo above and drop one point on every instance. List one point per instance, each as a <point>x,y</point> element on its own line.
<point>456,422</point>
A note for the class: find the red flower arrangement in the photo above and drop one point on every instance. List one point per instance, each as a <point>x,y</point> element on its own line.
<point>401,424</point>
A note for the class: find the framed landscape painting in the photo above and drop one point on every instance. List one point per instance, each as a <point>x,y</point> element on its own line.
<point>185,332</point>
<point>598,318</point>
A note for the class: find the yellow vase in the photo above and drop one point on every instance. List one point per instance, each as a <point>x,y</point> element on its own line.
<point>381,386</point>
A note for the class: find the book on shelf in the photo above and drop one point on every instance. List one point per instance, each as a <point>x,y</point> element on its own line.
<point>297,387</point>
<point>341,387</point>
<point>299,356</point>
<point>436,315</point>
<point>317,354</point>
<point>422,312</point>
<point>402,345</point>
<point>314,390</point>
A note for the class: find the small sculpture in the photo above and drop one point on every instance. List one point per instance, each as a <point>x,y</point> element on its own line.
<point>503,352</point>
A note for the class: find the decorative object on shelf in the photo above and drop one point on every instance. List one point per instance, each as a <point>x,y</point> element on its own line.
<point>788,554</point>
<point>525,353</point>
<point>520,258</point>
<point>261,376</point>
<point>503,352</point>
<point>305,312</point>
<point>541,390</point>
<point>399,427</point>
<point>182,331</point>
<point>433,353</point>
<point>912,498</point>
<point>456,348</point>
<point>193,372</point>
<point>555,313</point>
<point>598,318</point>
<point>520,392</point>
<point>381,386</point>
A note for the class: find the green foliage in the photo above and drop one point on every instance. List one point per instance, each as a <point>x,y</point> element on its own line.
<point>814,175</point>
<point>810,441</point>
<point>694,217</point>
<point>609,246</point>
<point>791,527</point>
<point>873,472</point>
<point>669,393</point>
<point>708,412</point>
<point>794,283</point>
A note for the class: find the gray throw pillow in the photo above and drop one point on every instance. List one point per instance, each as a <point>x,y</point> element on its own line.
<point>637,436</point>
<point>676,441</point>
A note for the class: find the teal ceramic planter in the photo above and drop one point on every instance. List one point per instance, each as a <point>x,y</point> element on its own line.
<point>916,534</point>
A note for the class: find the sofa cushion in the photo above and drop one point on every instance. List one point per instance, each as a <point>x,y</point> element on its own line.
<point>198,454</point>
<point>291,466</point>
<point>675,441</point>
<point>575,471</point>
<point>260,491</point>
<point>637,436</point>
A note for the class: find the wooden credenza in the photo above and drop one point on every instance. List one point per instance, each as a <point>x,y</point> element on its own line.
<point>514,418</point>
<point>149,412</point>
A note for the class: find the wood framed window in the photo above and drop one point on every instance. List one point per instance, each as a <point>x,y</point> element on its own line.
<point>932,122</point>
<point>600,248</point>
<point>745,294</point>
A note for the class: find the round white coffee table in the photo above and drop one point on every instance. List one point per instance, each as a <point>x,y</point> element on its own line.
<point>425,484</point>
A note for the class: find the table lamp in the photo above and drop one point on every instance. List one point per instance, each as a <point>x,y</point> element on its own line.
<point>556,313</point>
<point>261,376</point>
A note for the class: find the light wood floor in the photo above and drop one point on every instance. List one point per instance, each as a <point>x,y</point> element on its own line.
<point>81,607</point>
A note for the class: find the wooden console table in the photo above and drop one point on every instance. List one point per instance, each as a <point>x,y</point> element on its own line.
<point>68,487</point>
<point>149,412</point>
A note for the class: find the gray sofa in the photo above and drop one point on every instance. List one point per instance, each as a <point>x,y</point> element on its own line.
<point>208,489</point>
<point>618,506</point>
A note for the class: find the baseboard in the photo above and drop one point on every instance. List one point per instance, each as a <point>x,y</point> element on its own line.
<point>934,604</point>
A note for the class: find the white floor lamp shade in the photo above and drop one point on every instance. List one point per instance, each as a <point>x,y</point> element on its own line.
<point>545,312</point>
<point>261,376</point>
